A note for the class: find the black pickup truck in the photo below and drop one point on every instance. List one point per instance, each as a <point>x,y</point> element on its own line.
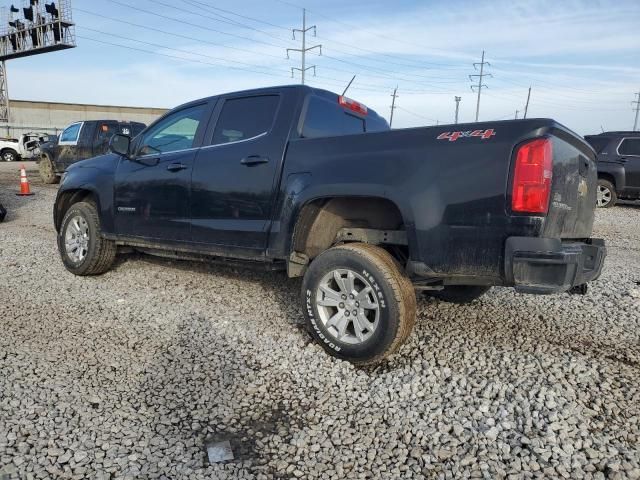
<point>79,141</point>
<point>315,183</point>
<point>618,166</point>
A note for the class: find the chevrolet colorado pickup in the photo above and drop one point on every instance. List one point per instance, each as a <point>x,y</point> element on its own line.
<point>79,141</point>
<point>618,166</point>
<point>317,184</point>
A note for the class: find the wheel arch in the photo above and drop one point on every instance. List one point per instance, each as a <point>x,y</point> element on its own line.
<point>9,149</point>
<point>320,219</point>
<point>69,197</point>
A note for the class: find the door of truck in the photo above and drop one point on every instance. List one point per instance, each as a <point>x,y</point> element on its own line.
<point>153,189</point>
<point>234,177</point>
<point>629,151</point>
<point>66,150</point>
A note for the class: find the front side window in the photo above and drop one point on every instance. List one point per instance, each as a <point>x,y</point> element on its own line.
<point>245,118</point>
<point>630,146</point>
<point>176,132</point>
<point>71,133</point>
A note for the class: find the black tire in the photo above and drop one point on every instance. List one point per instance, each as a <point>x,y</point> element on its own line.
<point>392,291</point>
<point>458,293</point>
<point>606,185</point>
<point>9,155</point>
<point>47,172</point>
<point>100,252</point>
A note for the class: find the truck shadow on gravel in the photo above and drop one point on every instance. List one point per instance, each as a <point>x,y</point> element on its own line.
<point>197,390</point>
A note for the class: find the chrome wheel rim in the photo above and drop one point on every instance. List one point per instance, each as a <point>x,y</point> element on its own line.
<point>604,196</point>
<point>347,306</point>
<point>8,157</point>
<point>76,239</point>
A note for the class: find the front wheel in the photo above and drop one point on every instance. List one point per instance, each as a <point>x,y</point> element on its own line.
<point>80,242</point>
<point>47,172</point>
<point>9,156</point>
<point>606,194</point>
<point>358,305</point>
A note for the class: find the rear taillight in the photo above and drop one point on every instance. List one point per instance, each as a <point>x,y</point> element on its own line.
<point>352,105</point>
<point>532,177</point>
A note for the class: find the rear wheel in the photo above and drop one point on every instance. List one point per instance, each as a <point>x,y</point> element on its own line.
<point>47,172</point>
<point>358,304</point>
<point>9,155</point>
<point>82,248</point>
<point>459,293</point>
<point>607,196</point>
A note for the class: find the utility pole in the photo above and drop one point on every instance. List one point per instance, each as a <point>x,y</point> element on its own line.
<point>517,112</point>
<point>637,102</point>
<point>457,107</point>
<point>303,51</point>
<point>480,85</point>
<point>393,105</point>
<point>526,107</point>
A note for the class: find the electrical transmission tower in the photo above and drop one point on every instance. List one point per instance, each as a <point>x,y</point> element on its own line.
<point>393,105</point>
<point>457,108</point>
<point>303,51</point>
<point>480,85</point>
<point>637,103</point>
<point>517,112</point>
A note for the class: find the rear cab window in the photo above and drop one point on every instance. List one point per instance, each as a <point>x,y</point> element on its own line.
<point>630,146</point>
<point>245,118</point>
<point>325,117</point>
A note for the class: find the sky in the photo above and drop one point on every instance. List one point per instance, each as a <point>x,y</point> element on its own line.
<point>581,58</point>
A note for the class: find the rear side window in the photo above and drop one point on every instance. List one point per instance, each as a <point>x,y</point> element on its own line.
<point>630,146</point>
<point>598,143</point>
<point>328,119</point>
<point>245,118</point>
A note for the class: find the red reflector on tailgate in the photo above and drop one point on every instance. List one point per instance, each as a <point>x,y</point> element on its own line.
<point>532,177</point>
<point>352,105</point>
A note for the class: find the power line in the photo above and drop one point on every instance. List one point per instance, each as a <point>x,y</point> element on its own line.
<point>253,19</point>
<point>184,22</point>
<point>480,85</point>
<point>177,35</point>
<point>417,114</point>
<point>128,47</point>
<point>303,51</point>
<point>170,48</point>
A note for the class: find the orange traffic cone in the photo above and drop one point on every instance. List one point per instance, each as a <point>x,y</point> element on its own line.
<point>25,191</point>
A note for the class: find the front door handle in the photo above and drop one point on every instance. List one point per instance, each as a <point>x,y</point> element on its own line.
<point>175,167</point>
<point>253,160</point>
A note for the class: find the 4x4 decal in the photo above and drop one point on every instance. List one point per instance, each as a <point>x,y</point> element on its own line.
<point>453,136</point>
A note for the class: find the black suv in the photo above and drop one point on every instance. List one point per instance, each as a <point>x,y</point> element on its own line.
<point>618,166</point>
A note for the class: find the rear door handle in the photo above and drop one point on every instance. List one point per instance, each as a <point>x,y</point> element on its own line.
<point>175,167</point>
<point>253,160</point>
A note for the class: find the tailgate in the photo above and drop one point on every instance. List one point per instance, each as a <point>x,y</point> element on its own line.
<point>573,193</point>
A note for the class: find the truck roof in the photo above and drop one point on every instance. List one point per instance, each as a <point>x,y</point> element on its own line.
<point>255,91</point>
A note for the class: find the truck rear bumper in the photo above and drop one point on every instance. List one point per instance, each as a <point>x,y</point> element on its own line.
<point>547,265</point>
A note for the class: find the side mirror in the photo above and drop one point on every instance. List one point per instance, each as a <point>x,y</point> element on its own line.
<point>120,144</point>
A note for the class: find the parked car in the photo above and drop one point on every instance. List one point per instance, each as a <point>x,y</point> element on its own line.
<point>79,141</point>
<point>315,183</point>
<point>23,148</point>
<point>618,166</point>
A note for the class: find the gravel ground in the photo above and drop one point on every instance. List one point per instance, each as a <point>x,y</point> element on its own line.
<point>128,375</point>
